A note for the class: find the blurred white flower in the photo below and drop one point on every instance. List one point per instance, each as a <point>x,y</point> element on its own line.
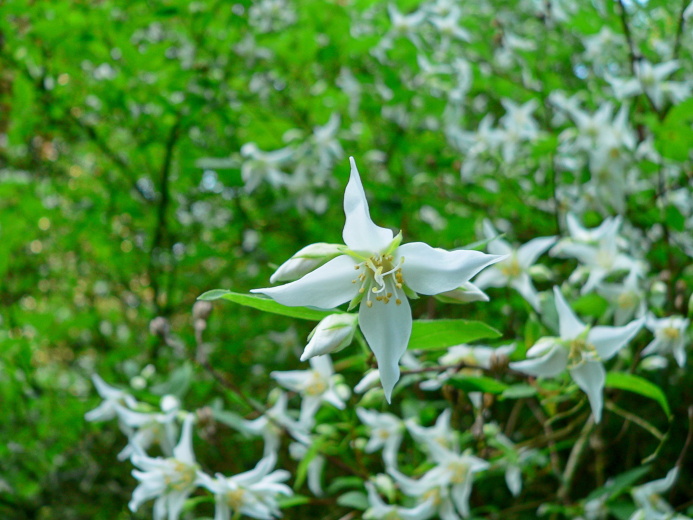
<point>253,493</point>
<point>514,271</point>
<point>111,396</point>
<point>670,337</point>
<point>169,481</point>
<point>386,433</point>
<point>314,386</point>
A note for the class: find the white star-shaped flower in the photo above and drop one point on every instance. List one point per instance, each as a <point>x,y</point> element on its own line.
<point>379,274</point>
<point>581,349</point>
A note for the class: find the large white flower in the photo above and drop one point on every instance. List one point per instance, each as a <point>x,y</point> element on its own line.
<point>581,350</point>
<point>378,273</point>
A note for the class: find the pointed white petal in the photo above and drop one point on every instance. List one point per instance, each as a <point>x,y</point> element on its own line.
<point>183,450</point>
<point>491,277</point>
<point>528,253</point>
<point>523,285</point>
<point>387,327</point>
<point>590,376</point>
<point>569,325</point>
<point>360,233</point>
<point>460,496</point>
<point>429,270</point>
<point>326,287</point>
<point>549,365</point>
<point>609,340</point>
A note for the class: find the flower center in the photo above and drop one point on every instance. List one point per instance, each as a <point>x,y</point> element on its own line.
<point>579,351</point>
<point>459,472</point>
<point>670,333</point>
<point>180,475</point>
<point>380,278</point>
<point>316,385</point>
<point>627,300</point>
<point>511,268</point>
<point>433,495</point>
<point>235,498</point>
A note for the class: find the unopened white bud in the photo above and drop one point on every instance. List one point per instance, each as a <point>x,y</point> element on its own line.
<point>332,334</point>
<point>305,261</point>
<point>466,293</point>
<point>541,273</point>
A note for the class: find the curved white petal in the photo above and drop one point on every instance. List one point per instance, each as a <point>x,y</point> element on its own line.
<point>590,376</point>
<point>523,285</point>
<point>429,270</point>
<point>360,233</point>
<point>528,253</point>
<point>460,496</point>
<point>387,327</point>
<point>609,340</point>
<point>326,287</point>
<point>491,277</point>
<point>549,365</point>
<point>183,450</point>
<point>569,326</point>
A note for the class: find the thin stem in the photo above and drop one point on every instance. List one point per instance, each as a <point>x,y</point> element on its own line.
<point>574,460</point>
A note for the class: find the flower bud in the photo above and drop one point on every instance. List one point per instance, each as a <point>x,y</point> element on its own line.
<point>466,293</point>
<point>306,260</point>
<point>332,334</point>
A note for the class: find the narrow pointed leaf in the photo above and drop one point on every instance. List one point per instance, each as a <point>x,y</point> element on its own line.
<point>267,305</point>
<point>639,385</point>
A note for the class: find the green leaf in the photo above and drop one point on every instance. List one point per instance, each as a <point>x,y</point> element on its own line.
<point>177,383</point>
<point>293,501</point>
<point>640,386</point>
<point>214,294</point>
<point>478,384</point>
<point>439,334</point>
<point>231,419</point>
<point>354,500</point>
<point>620,483</point>
<point>518,392</point>
<point>265,304</point>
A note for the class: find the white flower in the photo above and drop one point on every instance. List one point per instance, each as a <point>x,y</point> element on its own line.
<point>513,271</point>
<point>441,433</point>
<point>378,273</point>
<point>253,493</point>
<point>111,396</point>
<point>598,260</point>
<point>314,386</point>
<point>169,481</point>
<point>145,429</point>
<point>259,165</point>
<point>379,510</point>
<point>448,484</point>
<point>581,350</point>
<point>273,422</point>
<point>670,337</point>
<point>651,506</point>
<point>332,334</point>
<point>386,433</point>
<point>628,298</point>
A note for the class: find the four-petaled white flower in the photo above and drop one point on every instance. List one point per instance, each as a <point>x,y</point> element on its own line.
<point>651,506</point>
<point>253,493</point>
<point>314,386</point>
<point>670,337</point>
<point>581,350</point>
<point>170,481</point>
<point>379,273</point>
<point>514,271</point>
<point>386,433</point>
